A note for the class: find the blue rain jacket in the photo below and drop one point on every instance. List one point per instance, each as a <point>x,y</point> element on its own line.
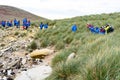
<point>74,28</point>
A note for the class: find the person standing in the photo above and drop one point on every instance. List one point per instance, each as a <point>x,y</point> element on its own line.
<point>15,21</point>
<point>74,28</point>
<point>41,25</point>
<point>46,26</point>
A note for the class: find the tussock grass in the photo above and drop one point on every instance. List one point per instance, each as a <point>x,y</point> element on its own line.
<point>97,55</point>
<point>32,46</point>
<point>102,67</point>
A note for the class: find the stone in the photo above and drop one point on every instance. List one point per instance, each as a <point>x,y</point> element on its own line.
<point>37,73</point>
<point>1,65</point>
<point>71,56</point>
<point>41,53</point>
<point>9,49</point>
<point>1,54</point>
<point>24,61</point>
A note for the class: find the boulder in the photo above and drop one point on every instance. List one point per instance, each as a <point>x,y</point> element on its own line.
<point>41,53</point>
<point>37,73</point>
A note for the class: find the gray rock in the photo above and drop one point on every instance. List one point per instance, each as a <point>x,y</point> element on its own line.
<point>1,53</point>
<point>1,65</point>
<point>9,49</point>
<point>37,73</point>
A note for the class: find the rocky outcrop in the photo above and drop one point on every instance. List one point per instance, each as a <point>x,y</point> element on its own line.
<point>15,61</point>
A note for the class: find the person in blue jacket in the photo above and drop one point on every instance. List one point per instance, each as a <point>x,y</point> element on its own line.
<point>97,30</point>
<point>27,25</point>
<point>41,25</point>
<point>18,24</point>
<point>24,21</point>
<point>46,26</point>
<point>92,29</point>
<point>8,24</point>
<point>15,21</point>
<point>74,28</point>
<point>3,23</point>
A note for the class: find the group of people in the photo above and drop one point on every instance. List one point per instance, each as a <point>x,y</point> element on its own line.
<point>100,30</point>
<point>26,23</point>
<point>6,23</point>
<point>43,26</point>
<point>97,30</point>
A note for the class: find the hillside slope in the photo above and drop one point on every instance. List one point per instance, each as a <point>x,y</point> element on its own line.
<point>97,55</point>
<point>9,13</point>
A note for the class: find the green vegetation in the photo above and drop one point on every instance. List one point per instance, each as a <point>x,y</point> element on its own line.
<point>32,46</point>
<point>2,45</point>
<point>16,33</point>
<point>97,55</point>
<point>23,34</point>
